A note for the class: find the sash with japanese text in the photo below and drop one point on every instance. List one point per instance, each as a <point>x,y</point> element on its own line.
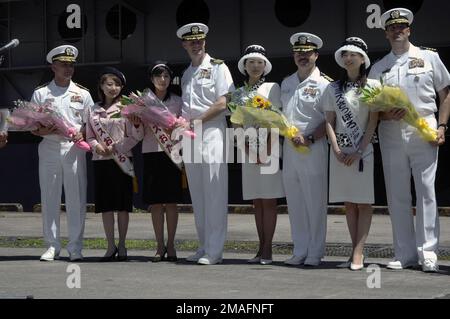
<point>351,126</point>
<point>169,147</point>
<point>106,140</point>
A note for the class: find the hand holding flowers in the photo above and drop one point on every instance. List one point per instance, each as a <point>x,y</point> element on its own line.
<point>44,120</point>
<point>42,130</point>
<point>395,102</point>
<point>299,140</point>
<point>251,109</point>
<point>150,110</point>
<point>395,114</point>
<point>3,139</point>
<point>135,120</point>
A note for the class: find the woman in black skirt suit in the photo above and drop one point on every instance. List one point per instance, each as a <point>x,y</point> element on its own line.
<point>113,188</point>
<point>162,178</point>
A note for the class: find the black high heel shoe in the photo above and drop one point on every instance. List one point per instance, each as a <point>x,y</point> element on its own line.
<point>172,259</point>
<point>122,257</point>
<point>111,257</point>
<point>157,258</point>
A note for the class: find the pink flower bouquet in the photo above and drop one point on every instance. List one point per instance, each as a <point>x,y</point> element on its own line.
<point>151,110</point>
<point>28,116</point>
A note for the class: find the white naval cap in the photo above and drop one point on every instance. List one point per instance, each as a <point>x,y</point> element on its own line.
<point>254,51</point>
<point>63,53</point>
<point>304,42</point>
<point>193,31</point>
<point>352,44</point>
<point>396,16</point>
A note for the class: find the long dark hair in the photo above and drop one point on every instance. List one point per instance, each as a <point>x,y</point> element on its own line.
<point>361,80</point>
<point>101,94</point>
<point>156,70</point>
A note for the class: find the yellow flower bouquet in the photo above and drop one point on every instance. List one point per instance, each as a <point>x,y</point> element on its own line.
<point>259,111</point>
<point>384,98</point>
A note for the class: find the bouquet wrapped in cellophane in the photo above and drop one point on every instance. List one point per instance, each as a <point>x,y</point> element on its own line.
<point>251,109</point>
<point>385,98</point>
<point>28,116</point>
<point>151,110</point>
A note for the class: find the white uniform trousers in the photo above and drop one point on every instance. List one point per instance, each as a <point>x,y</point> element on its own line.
<point>62,163</point>
<point>208,186</point>
<point>404,151</point>
<point>305,185</point>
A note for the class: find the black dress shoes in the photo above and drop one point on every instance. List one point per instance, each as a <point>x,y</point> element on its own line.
<point>172,258</point>
<point>157,258</point>
<point>122,257</point>
<point>109,258</point>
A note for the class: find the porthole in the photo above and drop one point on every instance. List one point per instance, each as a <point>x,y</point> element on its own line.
<point>120,22</point>
<point>292,13</point>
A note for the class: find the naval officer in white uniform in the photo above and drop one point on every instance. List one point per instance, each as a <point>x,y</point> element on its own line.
<point>305,175</point>
<point>204,85</point>
<point>60,161</point>
<point>422,75</point>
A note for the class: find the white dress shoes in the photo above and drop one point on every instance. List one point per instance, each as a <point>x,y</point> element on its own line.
<point>254,260</point>
<point>265,261</point>
<point>430,265</point>
<point>295,260</point>
<point>50,255</point>
<point>356,266</point>
<point>395,265</point>
<point>398,265</point>
<point>207,260</point>
<point>195,257</point>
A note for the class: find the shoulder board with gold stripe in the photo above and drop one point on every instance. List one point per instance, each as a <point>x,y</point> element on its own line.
<point>81,87</point>
<point>41,86</point>
<point>326,77</point>
<point>429,49</point>
<point>216,61</point>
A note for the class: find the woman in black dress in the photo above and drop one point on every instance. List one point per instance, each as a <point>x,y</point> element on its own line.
<point>113,187</point>
<point>162,178</point>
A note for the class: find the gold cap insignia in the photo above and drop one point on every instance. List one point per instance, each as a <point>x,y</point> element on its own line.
<point>195,30</point>
<point>302,39</point>
<point>395,14</point>
<point>69,52</point>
